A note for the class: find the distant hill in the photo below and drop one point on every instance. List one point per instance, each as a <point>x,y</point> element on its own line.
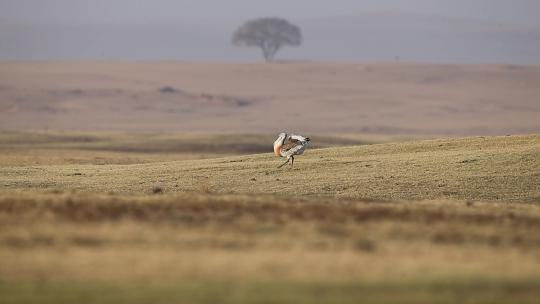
<point>311,97</point>
<point>381,36</point>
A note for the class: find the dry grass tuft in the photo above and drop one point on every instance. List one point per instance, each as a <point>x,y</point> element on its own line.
<point>157,190</point>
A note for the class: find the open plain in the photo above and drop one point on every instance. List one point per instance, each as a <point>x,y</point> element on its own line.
<point>432,221</point>
<point>155,183</point>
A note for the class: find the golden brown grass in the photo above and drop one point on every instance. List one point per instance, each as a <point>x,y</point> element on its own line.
<point>480,168</point>
<point>345,245</point>
<point>434,221</point>
<point>100,148</point>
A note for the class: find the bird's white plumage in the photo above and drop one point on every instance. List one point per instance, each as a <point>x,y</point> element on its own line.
<point>299,137</point>
<point>295,145</point>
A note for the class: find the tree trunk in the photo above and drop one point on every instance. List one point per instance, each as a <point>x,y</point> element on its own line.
<point>269,51</point>
<point>266,55</point>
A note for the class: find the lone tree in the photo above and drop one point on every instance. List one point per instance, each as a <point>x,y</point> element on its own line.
<point>269,34</point>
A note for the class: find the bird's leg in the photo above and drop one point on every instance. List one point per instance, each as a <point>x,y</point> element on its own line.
<point>284,163</point>
<point>292,161</point>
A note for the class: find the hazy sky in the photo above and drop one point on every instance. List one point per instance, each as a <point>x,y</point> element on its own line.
<point>142,29</point>
<point>30,11</point>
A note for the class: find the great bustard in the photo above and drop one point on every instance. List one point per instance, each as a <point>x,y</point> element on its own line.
<point>295,145</point>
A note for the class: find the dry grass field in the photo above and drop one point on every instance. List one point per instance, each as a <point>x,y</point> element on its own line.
<point>503,168</point>
<point>155,183</point>
<point>431,221</point>
<point>19,148</point>
<point>202,248</point>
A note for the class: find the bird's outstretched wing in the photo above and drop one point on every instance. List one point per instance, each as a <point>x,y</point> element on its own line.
<point>295,141</point>
<point>293,147</point>
<point>290,145</point>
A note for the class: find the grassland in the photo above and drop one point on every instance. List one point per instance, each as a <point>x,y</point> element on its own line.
<point>482,168</point>
<point>264,249</point>
<point>432,221</point>
<point>19,148</point>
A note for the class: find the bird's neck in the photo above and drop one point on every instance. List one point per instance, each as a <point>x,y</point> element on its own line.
<point>277,147</point>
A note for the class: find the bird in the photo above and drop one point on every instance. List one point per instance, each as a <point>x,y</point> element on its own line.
<point>295,145</point>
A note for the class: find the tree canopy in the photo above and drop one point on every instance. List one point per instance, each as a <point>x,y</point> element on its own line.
<point>269,34</point>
